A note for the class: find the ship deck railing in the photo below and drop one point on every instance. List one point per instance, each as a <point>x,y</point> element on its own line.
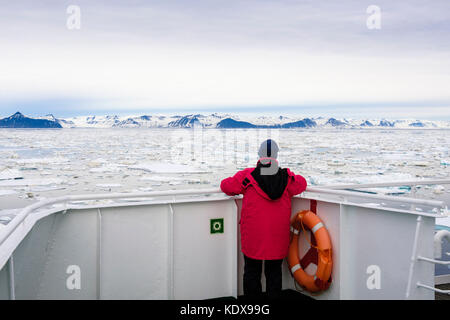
<point>343,195</point>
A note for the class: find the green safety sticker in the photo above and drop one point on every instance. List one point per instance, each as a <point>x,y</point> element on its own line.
<point>216,225</point>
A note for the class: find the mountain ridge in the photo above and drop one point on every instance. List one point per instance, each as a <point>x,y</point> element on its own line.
<point>18,120</point>
<point>213,120</point>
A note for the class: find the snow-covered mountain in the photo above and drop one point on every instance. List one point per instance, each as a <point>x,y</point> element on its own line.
<point>18,120</point>
<point>218,120</point>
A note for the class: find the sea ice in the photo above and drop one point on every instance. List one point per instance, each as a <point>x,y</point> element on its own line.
<point>108,185</point>
<point>163,167</point>
<point>31,182</point>
<point>105,169</point>
<point>55,163</point>
<point>439,189</point>
<point>41,160</point>
<point>7,192</point>
<point>7,174</point>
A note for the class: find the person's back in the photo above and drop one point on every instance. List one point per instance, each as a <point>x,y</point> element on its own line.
<point>265,216</point>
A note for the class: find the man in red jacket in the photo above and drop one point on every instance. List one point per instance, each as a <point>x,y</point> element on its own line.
<point>265,216</point>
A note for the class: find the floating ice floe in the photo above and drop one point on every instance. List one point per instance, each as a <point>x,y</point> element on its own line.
<point>387,190</point>
<point>156,184</point>
<point>145,189</point>
<point>46,188</point>
<point>31,182</point>
<point>127,162</point>
<point>108,185</point>
<point>438,189</point>
<point>7,192</point>
<point>97,162</point>
<point>420,163</point>
<point>105,169</point>
<point>41,160</point>
<point>444,221</point>
<point>46,173</point>
<point>169,179</point>
<point>158,178</point>
<point>352,179</point>
<point>163,167</point>
<point>7,174</point>
<point>336,163</point>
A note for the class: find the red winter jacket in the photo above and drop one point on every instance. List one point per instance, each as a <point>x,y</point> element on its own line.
<point>265,223</point>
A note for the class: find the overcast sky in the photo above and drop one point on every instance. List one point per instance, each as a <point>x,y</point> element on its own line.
<point>313,58</point>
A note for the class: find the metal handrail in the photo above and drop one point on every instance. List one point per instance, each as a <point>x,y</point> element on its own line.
<point>27,210</point>
<point>387,184</point>
<point>443,262</point>
<point>432,288</point>
<point>435,203</point>
<point>17,220</point>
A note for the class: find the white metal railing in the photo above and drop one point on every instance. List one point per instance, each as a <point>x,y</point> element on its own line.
<point>387,184</point>
<point>434,203</point>
<point>415,258</point>
<point>420,258</point>
<point>17,220</point>
<point>11,226</point>
<point>432,288</point>
<point>315,191</point>
<point>433,260</point>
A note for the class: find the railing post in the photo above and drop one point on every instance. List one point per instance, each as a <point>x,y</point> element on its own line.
<point>413,256</point>
<point>170,256</point>
<point>413,194</point>
<point>99,254</point>
<point>12,285</point>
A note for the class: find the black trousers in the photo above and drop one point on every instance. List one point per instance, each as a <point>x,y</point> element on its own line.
<point>252,276</point>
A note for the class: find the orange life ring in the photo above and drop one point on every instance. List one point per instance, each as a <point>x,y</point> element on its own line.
<point>322,279</point>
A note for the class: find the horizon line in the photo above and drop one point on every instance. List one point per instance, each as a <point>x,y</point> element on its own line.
<point>172,113</point>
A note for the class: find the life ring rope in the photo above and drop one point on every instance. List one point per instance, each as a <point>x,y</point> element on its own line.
<point>313,230</point>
